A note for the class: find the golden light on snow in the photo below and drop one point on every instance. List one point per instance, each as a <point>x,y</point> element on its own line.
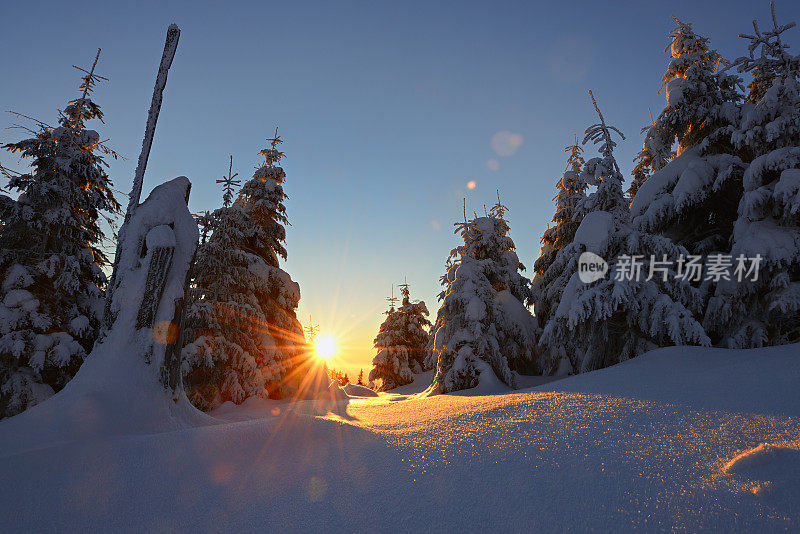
<point>325,347</point>
<point>471,185</point>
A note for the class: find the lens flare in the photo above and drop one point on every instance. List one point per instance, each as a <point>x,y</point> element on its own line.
<point>471,185</point>
<point>506,143</point>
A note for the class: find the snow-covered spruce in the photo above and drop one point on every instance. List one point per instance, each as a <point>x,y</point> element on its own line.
<point>617,317</point>
<point>482,327</point>
<point>692,201</point>
<point>547,284</point>
<point>751,313</point>
<point>245,340</point>
<point>401,343</point>
<point>51,295</point>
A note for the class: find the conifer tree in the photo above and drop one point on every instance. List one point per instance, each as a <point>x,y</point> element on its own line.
<point>50,257</point>
<point>695,189</point>
<point>401,342</point>
<point>762,306</point>
<point>229,355</point>
<point>483,330</point>
<point>360,377</point>
<point>262,198</point>
<point>631,310</point>
<point>571,193</point>
<point>246,340</point>
<point>652,157</point>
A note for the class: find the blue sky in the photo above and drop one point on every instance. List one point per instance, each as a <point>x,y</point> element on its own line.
<point>387,110</point>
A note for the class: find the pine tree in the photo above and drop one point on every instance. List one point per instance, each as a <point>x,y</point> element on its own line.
<point>617,317</point>
<point>693,192</point>
<point>50,257</point>
<point>360,377</point>
<point>571,193</point>
<point>262,198</point>
<point>747,312</point>
<point>652,157</point>
<point>229,355</point>
<point>482,327</point>
<point>401,342</point>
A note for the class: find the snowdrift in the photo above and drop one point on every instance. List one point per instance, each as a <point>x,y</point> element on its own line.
<point>679,438</point>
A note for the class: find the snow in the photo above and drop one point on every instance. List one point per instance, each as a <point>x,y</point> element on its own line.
<point>19,298</point>
<point>160,236</point>
<point>354,390</point>
<point>594,231</point>
<point>116,392</point>
<point>769,471</point>
<point>661,182</point>
<point>678,438</point>
<point>568,296</point>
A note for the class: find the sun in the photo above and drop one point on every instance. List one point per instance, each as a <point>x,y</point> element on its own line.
<point>325,347</point>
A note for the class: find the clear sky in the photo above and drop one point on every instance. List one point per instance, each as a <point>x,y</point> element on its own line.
<point>387,109</point>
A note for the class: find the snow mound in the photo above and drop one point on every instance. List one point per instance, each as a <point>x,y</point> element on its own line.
<point>771,471</point>
<point>336,391</point>
<point>749,381</point>
<point>354,390</point>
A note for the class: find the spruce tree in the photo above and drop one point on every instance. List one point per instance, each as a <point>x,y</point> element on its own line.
<point>652,157</point>
<point>262,198</point>
<point>571,193</point>
<point>762,306</point>
<point>401,343</point>
<point>360,377</point>
<point>482,327</point>
<point>50,257</point>
<point>630,310</point>
<point>246,340</point>
<point>229,355</point>
<point>694,190</point>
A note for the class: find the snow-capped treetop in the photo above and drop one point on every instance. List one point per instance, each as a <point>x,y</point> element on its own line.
<point>263,196</point>
<point>773,60</point>
<point>701,103</point>
<point>774,121</point>
<point>228,185</point>
<point>653,156</point>
<point>687,49</point>
<point>603,172</point>
<point>601,133</point>
<point>272,154</point>
<point>66,158</point>
<point>571,191</point>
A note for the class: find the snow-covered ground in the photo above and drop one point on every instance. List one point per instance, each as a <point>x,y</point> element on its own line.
<point>702,439</point>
